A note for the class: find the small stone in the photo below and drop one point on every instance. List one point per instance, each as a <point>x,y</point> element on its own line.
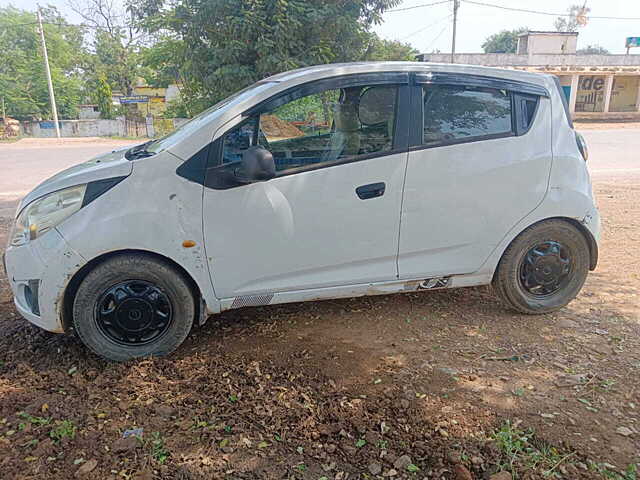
<point>569,380</point>
<point>461,472</point>
<point>86,468</point>
<point>564,323</point>
<point>390,473</point>
<point>375,468</point>
<point>476,460</point>
<point>123,445</point>
<point>500,476</point>
<point>227,449</point>
<point>624,431</point>
<point>372,437</point>
<point>402,462</point>
<point>165,411</point>
<point>448,370</point>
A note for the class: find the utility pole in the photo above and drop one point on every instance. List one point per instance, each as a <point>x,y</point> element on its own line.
<point>52,97</point>
<point>4,113</point>
<point>456,4</point>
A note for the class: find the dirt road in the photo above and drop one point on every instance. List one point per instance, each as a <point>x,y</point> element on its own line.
<point>431,385</point>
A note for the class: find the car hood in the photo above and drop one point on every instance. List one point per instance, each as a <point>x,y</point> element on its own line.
<point>107,165</point>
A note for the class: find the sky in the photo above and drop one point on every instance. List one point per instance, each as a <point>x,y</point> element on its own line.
<point>430,28</point>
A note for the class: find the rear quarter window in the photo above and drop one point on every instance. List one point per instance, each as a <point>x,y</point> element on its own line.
<point>454,113</point>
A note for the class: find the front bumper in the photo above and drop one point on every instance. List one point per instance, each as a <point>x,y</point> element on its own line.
<point>592,223</point>
<point>38,274</point>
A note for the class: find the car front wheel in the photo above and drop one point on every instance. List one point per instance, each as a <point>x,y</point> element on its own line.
<point>544,268</point>
<point>133,305</point>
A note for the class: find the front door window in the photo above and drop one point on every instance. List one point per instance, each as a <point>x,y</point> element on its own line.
<point>322,129</point>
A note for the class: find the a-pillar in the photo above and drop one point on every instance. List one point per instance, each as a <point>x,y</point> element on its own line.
<point>608,88</point>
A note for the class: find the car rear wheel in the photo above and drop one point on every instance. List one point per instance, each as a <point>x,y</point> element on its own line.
<point>133,305</point>
<point>544,268</point>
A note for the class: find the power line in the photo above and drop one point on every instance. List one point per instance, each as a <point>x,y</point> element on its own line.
<point>437,37</point>
<point>419,6</point>
<point>427,27</point>
<point>537,12</point>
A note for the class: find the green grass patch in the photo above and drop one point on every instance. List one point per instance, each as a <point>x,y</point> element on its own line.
<point>159,451</point>
<point>63,429</point>
<point>523,452</point>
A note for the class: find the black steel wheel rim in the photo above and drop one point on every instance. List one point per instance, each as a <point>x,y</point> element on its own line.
<point>546,269</point>
<point>134,313</point>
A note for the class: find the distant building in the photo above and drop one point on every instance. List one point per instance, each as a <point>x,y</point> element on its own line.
<point>596,86</point>
<point>88,112</point>
<point>149,101</point>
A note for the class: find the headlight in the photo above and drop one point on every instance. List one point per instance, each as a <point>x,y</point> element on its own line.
<point>46,213</point>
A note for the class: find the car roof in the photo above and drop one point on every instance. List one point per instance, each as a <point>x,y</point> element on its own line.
<point>301,75</point>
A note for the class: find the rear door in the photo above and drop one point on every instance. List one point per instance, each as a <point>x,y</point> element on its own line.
<point>479,162</point>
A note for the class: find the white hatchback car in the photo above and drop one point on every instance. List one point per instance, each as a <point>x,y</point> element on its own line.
<point>325,182</point>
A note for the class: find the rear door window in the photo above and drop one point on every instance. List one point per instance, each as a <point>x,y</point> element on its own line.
<point>455,114</point>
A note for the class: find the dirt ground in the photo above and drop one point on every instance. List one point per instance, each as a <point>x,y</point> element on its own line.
<point>445,384</point>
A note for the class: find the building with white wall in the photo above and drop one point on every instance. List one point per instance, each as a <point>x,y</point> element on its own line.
<point>596,86</point>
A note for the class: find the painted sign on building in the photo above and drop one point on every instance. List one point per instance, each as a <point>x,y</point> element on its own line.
<point>48,125</point>
<point>590,94</point>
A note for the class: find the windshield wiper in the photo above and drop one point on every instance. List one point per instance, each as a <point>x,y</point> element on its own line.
<point>139,151</point>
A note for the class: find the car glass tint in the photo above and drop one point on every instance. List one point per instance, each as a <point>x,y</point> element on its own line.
<point>207,116</point>
<point>238,140</point>
<point>455,113</point>
<point>322,128</point>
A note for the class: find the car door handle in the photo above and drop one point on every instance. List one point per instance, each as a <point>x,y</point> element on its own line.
<point>371,190</point>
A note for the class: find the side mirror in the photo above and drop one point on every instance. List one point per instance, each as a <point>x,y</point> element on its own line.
<point>257,165</point>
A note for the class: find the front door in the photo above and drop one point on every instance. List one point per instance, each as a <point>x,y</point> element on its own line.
<point>479,164</point>
<point>331,215</point>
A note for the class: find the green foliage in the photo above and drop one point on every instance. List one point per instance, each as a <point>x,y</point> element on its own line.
<point>118,61</point>
<point>102,96</point>
<point>63,429</point>
<point>177,109</point>
<point>217,47</point>
<point>38,421</point>
<point>631,473</point>
<point>505,41</point>
<point>159,451</point>
<point>381,49</point>
<point>23,82</point>
<point>521,451</point>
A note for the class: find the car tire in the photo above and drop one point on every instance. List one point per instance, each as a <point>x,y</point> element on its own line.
<point>544,268</point>
<point>133,305</point>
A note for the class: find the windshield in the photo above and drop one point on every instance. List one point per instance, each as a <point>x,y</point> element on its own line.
<point>199,120</point>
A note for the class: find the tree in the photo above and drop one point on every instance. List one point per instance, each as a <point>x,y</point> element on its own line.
<point>505,41</point>
<point>229,44</point>
<point>593,50</point>
<point>23,82</point>
<point>577,18</point>
<point>382,49</point>
<point>116,44</point>
<point>102,96</point>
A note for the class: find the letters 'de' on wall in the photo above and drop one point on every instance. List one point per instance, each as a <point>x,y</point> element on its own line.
<point>590,95</point>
